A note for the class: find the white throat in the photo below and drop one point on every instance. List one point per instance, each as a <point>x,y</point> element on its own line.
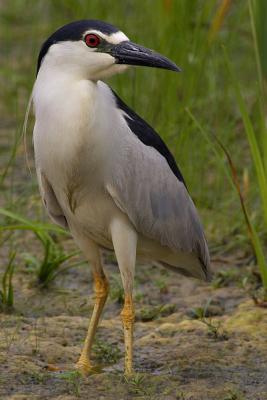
<point>71,114</point>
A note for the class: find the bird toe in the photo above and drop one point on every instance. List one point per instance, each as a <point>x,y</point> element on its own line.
<point>84,366</point>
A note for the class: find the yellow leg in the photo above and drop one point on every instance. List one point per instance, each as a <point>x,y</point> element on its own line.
<point>127,316</point>
<point>101,292</point>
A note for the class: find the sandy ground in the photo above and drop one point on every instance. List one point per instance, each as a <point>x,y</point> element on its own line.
<point>177,356</point>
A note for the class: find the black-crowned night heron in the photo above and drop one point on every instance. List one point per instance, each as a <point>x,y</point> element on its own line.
<point>104,173</point>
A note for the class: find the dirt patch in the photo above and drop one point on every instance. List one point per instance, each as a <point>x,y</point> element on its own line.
<point>177,355</point>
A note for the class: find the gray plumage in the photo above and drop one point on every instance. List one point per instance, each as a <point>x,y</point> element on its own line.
<point>157,203</point>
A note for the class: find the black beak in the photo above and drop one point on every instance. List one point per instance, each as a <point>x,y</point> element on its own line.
<point>133,54</point>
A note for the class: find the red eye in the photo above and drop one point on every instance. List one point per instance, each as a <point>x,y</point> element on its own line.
<point>92,40</point>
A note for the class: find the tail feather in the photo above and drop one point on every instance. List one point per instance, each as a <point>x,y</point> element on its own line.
<point>187,264</point>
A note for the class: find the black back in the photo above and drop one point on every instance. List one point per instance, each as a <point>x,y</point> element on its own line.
<point>148,136</point>
<point>74,31</point>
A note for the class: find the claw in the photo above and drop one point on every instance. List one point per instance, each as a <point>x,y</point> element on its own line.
<point>84,366</point>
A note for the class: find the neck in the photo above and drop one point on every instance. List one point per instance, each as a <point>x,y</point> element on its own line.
<point>65,100</point>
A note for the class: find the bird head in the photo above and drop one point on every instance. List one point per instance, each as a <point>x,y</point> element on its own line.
<point>94,50</point>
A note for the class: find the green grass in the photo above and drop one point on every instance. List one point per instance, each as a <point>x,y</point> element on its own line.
<point>214,328</point>
<point>73,379</point>
<point>106,353</point>
<point>6,292</point>
<point>50,266</point>
<point>230,105</point>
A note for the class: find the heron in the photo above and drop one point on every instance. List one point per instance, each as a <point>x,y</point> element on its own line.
<point>104,173</point>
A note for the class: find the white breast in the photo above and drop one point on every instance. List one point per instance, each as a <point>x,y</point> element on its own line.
<point>73,118</point>
<point>78,136</point>
<point>62,109</point>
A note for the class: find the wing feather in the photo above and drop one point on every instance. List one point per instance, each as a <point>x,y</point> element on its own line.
<point>150,189</point>
<point>157,203</point>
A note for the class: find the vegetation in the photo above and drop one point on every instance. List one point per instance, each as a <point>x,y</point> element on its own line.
<point>106,353</point>
<point>215,329</point>
<point>7,293</point>
<point>53,256</point>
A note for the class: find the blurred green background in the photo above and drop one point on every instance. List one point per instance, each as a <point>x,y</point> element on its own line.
<point>195,34</point>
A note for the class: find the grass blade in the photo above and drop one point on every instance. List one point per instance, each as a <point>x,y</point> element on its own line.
<point>254,238</point>
<point>7,293</point>
<point>219,19</point>
<point>252,139</point>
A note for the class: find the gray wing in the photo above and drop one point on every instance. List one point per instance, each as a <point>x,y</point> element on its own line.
<point>50,201</point>
<point>156,202</point>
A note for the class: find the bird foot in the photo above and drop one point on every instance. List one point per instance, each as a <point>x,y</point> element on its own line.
<point>84,366</point>
<point>128,373</point>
